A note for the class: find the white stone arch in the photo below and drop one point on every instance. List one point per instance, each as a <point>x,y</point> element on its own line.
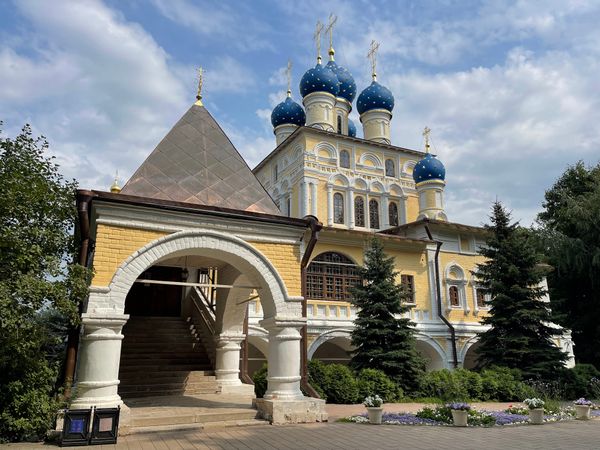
<point>345,255</point>
<point>327,336</point>
<point>431,350</point>
<point>326,146</point>
<point>466,350</point>
<point>233,250</point>
<point>377,186</point>
<point>453,266</point>
<point>408,167</point>
<point>396,190</point>
<point>372,157</point>
<point>361,184</point>
<point>343,179</point>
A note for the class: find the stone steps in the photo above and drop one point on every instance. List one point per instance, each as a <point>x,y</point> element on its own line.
<point>161,357</point>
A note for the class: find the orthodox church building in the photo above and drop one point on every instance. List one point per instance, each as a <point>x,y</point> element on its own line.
<point>206,269</point>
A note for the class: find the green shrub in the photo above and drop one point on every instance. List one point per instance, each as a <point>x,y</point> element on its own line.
<point>577,381</point>
<point>340,385</point>
<point>439,413</point>
<point>504,385</point>
<point>444,385</point>
<point>260,381</point>
<point>317,377</point>
<point>373,381</point>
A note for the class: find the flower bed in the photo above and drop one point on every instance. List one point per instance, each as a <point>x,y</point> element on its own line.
<point>440,416</point>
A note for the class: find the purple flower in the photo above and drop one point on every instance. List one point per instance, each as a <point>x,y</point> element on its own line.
<point>460,406</point>
<point>407,419</point>
<point>582,402</point>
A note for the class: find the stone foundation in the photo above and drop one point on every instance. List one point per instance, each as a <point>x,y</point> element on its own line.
<point>304,410</point>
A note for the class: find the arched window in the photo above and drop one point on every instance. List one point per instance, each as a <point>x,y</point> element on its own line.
<point>453,294</point>
<point>339,124</point>
<point>338,208</point>
<point>374,213</point>
<point>390,169</point>
<point>345,159</point>
<point>330,276</point>
<point>393,214</point>
<point>359,212</point>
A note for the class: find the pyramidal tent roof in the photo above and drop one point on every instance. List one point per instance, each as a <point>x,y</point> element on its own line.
<point>197,163</point>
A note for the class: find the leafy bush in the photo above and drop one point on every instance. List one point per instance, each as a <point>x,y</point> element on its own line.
<point>375,382</point>
<point>578,382</point>
<point>260,381</point>
<point>504,385</point>
<point>317,377</point>
<point>340,385</point>
<point>445,385</point>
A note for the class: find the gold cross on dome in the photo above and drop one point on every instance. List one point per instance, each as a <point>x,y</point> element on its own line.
<point>329,29</point>
<point>317,38</point>
<point>200,82</point>
<point>288,74</point>
<point>426,132</point>
<point>372,55</point>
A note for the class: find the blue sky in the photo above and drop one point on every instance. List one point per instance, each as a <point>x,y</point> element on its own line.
<point>510,88</point>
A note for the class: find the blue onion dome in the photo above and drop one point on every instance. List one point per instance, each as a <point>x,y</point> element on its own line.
<point>351,128</point>
<point>319,79</point>
<point>288,112</point>
<point>429,168</point>
<point>347,86</point>
<point>375,96</point>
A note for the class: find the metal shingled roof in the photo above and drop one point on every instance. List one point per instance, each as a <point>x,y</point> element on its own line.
<point>197,163</point>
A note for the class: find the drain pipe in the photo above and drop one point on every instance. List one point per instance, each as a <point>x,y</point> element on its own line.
<point>439,298</point>
<point>84,199</point>
<point>315,227</point>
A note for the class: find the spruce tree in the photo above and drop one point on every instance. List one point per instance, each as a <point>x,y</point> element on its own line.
<point>382,339</point>
<point>520,335</point>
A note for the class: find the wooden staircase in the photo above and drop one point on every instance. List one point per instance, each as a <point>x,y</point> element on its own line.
<point>160,356</point>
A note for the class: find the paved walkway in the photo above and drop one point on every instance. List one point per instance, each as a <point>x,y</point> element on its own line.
<point>572,435</point>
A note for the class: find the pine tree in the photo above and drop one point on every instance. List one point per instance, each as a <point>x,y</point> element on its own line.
<point>382,340</point>
<point>520,336</point>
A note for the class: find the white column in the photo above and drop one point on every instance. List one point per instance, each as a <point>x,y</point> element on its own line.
<point>329,205</point>
<point>98,361</point>
<point>313,198</point>
<point>385,220</point>
<point>227,363</point>
<point>350,208</point>
<point>284,358</point>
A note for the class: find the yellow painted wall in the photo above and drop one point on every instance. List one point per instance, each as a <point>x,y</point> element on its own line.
<point>286,260</point>
<point>407,263</point>
<point>412,208</point>
<point>114,245</point>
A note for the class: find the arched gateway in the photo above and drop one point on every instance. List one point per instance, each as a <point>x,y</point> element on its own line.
<point>188,242</point>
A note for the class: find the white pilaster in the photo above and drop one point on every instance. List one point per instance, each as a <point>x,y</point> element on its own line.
<point>98,361</point>
<point>367,212</point>
<point>350,209</point>
<point>385,220</point>
<point>329,205</point>
<point>303,201</point>
<point>313,198</point>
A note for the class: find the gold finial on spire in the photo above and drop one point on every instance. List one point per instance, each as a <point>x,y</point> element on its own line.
<point>288,74</point>
<point>200,82</point>
<point>317,38</point>
<point>329,29</point>
<point>115,188</point>
<point>372,55</point>
<point>426,132</point>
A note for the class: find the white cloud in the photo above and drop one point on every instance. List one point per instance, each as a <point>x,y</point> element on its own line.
<point>97,86</point>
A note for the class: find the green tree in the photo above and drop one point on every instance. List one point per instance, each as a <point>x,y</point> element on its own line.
<point>520,336</point>
<point>571,239</point>
<point>382,339</point>
<point>39,289</point>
